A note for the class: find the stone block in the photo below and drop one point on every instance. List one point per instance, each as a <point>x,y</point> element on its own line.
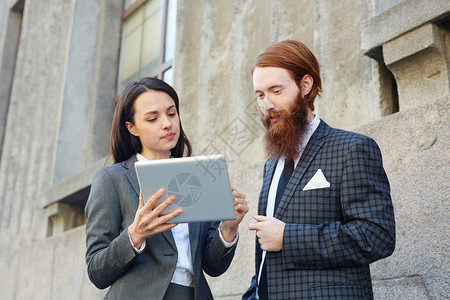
<point>402,288</point>
<point>414,144</point>
<point>419,62</point>
<point>69,252</point>
<point>399,19</point>
<point>10,263</point>
<point>35,277</point>
<point>62,217</point>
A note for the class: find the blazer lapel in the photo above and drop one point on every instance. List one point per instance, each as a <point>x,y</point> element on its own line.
<point>315,143</point>
<point>130,173</point>
<point>194,234</point>
<point>267,179</point>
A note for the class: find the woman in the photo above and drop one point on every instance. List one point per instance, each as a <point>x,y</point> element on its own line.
<point>130,247</point>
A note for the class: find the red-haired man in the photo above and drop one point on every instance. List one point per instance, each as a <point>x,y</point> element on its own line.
<point>325,211</point>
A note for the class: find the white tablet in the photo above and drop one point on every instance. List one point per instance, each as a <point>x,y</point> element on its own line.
<point>200,184</point>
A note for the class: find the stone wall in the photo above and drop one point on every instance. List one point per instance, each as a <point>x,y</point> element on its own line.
<point>385,71</point>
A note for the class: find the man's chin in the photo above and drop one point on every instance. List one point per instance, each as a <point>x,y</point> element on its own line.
<point>277,126</point>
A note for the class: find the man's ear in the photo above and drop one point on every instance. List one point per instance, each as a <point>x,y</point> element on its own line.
<point>306,83</point>
<point>131,128</point>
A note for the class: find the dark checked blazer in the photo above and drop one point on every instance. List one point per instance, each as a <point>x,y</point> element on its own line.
<point>331,234</point>
<point>111,260</point>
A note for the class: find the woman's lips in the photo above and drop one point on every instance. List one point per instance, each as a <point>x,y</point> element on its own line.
<point>169,136</point>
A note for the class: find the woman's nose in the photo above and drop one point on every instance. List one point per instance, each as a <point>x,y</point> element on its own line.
<point>166,124</point>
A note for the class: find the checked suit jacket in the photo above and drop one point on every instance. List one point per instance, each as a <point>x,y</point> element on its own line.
<point>111,260</point>
<point>331,234</point>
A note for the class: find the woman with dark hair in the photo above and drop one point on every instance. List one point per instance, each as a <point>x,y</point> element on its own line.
<point>131,248</point>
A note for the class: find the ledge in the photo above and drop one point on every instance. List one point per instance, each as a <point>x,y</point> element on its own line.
<point>75,189</point>
<point>401,18</point>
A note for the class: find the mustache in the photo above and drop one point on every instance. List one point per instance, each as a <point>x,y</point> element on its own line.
<point>283,113</point>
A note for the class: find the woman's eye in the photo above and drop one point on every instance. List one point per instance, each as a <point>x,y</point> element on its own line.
<point>152,120</point>
<point>276,92</point>
<point>260,96</point>
<point>172,114</point>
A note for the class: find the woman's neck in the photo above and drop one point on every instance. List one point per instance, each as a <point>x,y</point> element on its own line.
<point>156,155</point>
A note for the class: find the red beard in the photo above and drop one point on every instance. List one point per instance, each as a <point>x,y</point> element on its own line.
<point>283,137</point>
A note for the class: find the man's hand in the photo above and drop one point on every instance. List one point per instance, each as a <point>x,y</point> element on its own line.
<point>269,231</point>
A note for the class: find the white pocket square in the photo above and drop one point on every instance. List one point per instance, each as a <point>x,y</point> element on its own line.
<point>318,181</point>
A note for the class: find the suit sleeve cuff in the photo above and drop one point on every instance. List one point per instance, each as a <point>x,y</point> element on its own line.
<point>225,243</point>
<point>140,250</point>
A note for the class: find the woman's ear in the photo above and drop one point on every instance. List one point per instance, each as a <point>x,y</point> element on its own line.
<point>131,128</point>
<point>306,83</point>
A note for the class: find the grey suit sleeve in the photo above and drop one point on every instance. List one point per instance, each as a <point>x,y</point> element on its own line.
<point>216,257</point>
<point>366,232</point>
<point>108,249</point>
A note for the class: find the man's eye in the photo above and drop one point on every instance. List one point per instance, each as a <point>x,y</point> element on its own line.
<point>172,114</point>
<point>276,92</point>
<point>260,96</point>
<point>151,120</point>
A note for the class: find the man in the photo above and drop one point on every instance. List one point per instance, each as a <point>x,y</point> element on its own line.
<point>325,211</point>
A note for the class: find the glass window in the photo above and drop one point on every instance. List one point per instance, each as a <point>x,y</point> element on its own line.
<point>148,40</point>
<point>167,76</point>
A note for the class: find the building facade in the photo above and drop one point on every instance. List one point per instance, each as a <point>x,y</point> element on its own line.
<point>385,66</point>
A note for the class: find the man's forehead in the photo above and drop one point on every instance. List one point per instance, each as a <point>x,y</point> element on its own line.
<point>267,77</point>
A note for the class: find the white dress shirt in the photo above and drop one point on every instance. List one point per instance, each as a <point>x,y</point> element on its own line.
<point>309,130</point>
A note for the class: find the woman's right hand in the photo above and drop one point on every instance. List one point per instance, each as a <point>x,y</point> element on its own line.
<point>147,220</point>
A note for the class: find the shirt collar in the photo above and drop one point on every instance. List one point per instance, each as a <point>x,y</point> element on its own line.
<point>309,131</point>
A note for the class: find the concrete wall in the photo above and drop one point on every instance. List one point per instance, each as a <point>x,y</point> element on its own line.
<point>62,95</point>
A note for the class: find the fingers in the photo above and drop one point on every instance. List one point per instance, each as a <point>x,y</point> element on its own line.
<point>170,216</point>
<point>257,225</point>
<point>241,209</point>
<point>163,205</point>
<point>153,198</point>
<point>260,218</point>
<point>253,226</point>
<point>165,227</point>
<point>236,194</point>
<point>240,204</point>
<point>141,200</point>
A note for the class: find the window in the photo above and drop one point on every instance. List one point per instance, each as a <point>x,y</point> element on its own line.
<point>148,40</point>
<point>92,41</point>
<point>8,60</point>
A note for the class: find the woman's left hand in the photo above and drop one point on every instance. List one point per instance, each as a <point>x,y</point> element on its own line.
<point>229,228</point>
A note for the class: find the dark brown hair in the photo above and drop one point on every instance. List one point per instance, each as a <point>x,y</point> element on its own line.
<point>122,143</point>
<point>298,60</point>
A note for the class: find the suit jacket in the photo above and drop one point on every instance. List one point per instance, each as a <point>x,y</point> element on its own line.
<point>111,260</point>
<point>331,234</point>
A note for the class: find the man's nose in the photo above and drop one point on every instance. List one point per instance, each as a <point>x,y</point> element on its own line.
<point>265,104</point>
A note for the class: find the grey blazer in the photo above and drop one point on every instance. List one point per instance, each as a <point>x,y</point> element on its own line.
<point>331,234</point>
<point>111,260</point>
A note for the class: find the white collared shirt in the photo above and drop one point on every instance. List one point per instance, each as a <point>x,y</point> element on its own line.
<point>309,130</point>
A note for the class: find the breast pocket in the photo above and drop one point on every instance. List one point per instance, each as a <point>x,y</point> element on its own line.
<point>315,206</point>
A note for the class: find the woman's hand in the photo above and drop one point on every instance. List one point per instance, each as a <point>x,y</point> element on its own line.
<point>147,220</point>
<point>229,228</point>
